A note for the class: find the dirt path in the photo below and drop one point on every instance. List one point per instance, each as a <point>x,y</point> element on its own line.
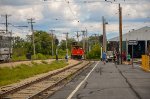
<point>14,64</point>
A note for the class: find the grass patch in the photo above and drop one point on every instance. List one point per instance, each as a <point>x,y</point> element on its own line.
<point>18,58</point>
<point>15,74</point>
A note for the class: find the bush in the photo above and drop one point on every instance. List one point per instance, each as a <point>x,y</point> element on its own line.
<point>39,56</point>
<point>16,58</point>
<point>94,53</point>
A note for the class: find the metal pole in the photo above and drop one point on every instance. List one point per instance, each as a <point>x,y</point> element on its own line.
<point>120,32</point>
<point>6,23</point>
<point>52,45</point>
<point>33,40</point>
<point>52,42</point>
<point>56,53</point>
<point>104,34</point>
<point>146,47</point>
<point>87,41</point>
<point>126,49</point>
<point>83,39</point>
<point>132,56</point>
<point>78,36</point>
<point>31,22</point>
<point>101,51</point>
<point>10,46</point>
<point>66,43</point>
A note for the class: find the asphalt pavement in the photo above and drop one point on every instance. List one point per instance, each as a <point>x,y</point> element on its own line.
<point>107,81</point>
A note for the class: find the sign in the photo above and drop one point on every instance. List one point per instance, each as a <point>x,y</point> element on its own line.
<point>132,42</point>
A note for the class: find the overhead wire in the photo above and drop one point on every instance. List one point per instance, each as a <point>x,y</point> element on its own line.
<point>71,11</point>
<point>85,2</point>
<point>93,1</point>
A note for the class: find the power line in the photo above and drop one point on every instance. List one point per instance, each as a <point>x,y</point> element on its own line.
<point>72,11</point>
<point>19,26</point>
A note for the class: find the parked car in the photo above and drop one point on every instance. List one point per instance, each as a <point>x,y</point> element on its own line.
<point>110,56</point>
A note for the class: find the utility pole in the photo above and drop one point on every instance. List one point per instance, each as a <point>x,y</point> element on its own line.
<point>6,21</point>
<point>31,22</point>
<point>10,46</point>
<point>104,34</point>
<point>120,32</point>
<point>87,43</point>
<point>66,43</point>
<point>52,41</point>
<point>83,39</point>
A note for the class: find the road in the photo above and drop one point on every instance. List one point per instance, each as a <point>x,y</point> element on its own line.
<point>107,82</point>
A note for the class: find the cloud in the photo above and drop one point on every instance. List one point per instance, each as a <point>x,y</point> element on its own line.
<point>19,2</point>
<point>76,15</point>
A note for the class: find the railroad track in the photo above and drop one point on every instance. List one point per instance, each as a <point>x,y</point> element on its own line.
<point>43,86</point>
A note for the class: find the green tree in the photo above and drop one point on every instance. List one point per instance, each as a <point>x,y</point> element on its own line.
<point>43,42</point>
<point>69,42</point>
<point>19,46</point>
<point>95,52</point>
<point>94,43</point>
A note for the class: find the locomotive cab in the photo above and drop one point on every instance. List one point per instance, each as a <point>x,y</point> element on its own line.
<point>77,51</point>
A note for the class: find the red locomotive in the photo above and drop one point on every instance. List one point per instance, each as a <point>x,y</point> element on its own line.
<point>77,51</point>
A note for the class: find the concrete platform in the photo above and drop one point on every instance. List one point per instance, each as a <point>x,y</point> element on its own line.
<point>108,81</point>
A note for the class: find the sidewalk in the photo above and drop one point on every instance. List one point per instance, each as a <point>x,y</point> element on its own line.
<point>116,82</point>
<point>138,79</point>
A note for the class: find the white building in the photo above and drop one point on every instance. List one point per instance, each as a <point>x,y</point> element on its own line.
<point>142,35</point>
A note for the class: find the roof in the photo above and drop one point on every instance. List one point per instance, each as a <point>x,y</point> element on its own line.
<point>140,34</point>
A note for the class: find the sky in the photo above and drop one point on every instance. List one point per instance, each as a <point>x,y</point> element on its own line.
<point>74,15</point>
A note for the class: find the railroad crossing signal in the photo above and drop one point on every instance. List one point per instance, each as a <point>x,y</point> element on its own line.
<point>132,42</point>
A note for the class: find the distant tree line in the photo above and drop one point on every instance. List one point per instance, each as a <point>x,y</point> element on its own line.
<point>43,45</point>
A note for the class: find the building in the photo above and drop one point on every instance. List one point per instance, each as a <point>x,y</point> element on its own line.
<point>141,35</point>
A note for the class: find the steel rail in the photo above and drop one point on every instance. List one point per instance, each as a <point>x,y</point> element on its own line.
<point>25,85</point>
<point>36,96</point>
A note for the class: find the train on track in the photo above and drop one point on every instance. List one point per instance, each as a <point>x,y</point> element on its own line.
<point>77,51</point>
<point>5,48</point>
